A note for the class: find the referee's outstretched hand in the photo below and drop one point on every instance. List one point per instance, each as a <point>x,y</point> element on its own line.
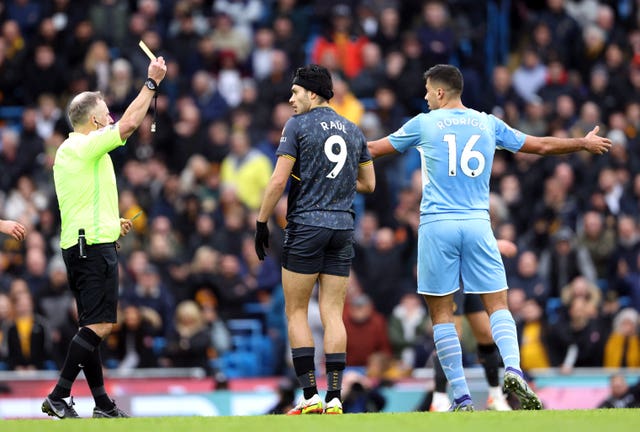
<point>262,239</point>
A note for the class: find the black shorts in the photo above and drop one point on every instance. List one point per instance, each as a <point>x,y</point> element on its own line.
<point>94,282</point>
<point>467,303</point>
<point>308,250</point>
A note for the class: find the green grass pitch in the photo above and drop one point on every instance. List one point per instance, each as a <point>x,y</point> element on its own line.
<point>480,421</point>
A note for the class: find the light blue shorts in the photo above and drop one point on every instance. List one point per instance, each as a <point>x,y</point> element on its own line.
<point>451,250</point>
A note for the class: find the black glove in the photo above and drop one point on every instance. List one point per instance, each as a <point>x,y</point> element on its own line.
<point>262,239</point>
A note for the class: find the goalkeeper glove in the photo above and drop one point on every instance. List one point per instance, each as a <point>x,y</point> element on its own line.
<point>262,239</point>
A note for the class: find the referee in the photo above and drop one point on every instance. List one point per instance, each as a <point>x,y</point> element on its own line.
<point>85,184</point>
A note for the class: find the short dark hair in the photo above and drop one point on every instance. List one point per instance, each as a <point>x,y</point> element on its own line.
<point>315,78</point>
<point>446,74</point>
<point>81,106</point>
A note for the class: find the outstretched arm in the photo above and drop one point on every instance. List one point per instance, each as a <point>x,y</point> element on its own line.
<point>380,147</point>
<point>548,145</point>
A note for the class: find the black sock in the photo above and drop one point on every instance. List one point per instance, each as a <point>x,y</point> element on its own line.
<point>80,348</point>
<point>93,374</point>
<point>335,364</point>
<point>489,358</point>
<point>439,378</point>
<point>304,365</point>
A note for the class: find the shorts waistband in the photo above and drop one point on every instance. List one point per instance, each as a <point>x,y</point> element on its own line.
<point>93,246</point>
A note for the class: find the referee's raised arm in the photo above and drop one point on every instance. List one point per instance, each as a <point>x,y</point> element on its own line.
<point>135,112</point>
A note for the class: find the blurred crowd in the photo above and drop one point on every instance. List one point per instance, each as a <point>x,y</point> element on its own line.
<point>554,67</point>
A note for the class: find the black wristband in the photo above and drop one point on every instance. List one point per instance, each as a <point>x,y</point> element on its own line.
<point>151,84</point>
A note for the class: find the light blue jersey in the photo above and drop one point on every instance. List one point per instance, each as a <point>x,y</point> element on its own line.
<point>456,150</point>
<point>455,241</point>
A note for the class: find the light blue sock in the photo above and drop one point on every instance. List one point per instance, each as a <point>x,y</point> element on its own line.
<point>449,353</point>
<point>503,329</point>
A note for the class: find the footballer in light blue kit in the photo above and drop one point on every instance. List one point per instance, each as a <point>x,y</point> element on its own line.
<point>455,240</point>
<point>456,149</point>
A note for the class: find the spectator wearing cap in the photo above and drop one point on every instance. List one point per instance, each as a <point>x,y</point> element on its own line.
<point>563,260</point>
<point>367,331</point>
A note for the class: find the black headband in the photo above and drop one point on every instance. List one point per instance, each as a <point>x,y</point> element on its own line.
<point>314,86</point>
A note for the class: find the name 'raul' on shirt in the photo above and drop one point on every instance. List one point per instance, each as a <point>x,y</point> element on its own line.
<point>458,121</point>
<point>333,125</point>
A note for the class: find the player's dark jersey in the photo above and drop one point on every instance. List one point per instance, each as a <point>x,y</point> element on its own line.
<point>328,150</point>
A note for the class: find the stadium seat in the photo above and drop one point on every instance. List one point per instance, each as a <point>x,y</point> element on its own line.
<point>624,302</point>
<point>252,353</point>
<point>159,343</point>
<point>11,116</point>
<point>237,364</point>
<point>552,309</point>
<point>11,113</point>
<point>111,363</point>
<point>369,103</point>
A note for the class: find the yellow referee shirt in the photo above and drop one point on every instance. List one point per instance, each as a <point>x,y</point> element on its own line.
<point>85,183</point>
